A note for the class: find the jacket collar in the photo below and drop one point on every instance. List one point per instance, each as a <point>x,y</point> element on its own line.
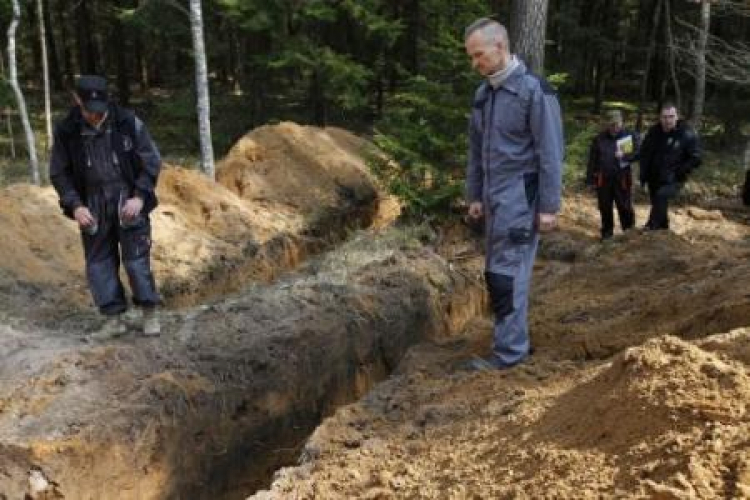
<point>513,82</point>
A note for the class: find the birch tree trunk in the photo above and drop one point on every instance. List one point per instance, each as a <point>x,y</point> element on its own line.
<point>201,86</point>
<point>528,32</point>
<point>700,65</point>
<point>13,79</point>
<point>45,73</point>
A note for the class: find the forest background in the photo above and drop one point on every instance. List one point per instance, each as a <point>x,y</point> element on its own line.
<point>392,70</point>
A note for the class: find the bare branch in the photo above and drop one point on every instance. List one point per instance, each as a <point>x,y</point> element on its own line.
<point>726,62</point>
<point>733,8</point>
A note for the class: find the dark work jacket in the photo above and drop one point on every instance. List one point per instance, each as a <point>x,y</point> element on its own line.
<point>669,157</point>
<point>602,164</point>
<point>138,158</point>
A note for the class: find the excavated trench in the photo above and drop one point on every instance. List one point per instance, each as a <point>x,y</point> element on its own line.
<point>232,389</point>
<point>253,353</point>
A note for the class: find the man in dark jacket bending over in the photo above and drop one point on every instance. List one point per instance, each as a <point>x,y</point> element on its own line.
<point>669,153</point>
<point>104,167</point>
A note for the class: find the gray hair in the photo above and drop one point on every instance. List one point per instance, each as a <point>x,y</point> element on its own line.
<point>614,116</point>
<point>491,30</point>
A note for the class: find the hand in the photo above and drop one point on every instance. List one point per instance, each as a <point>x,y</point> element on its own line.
<point>547,222</point>
<point>475,210</point>
<point>131,208</point>
<point>83,217</point>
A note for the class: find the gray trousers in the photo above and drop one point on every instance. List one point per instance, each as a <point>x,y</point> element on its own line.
<point>512,242</point>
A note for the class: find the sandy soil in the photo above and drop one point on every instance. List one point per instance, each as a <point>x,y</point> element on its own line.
<point>639,387</point>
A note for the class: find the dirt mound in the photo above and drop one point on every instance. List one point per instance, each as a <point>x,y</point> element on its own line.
<point>283,192</point>
<point>306,169</point>
<point>592,300</point>
<point>38,243</point>
<point>671,417</point>
<point>668,420</point>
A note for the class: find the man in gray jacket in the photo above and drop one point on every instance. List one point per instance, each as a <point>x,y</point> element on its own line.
<point>514,178</point>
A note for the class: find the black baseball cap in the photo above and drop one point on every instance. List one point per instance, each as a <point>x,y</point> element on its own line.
<point>92,90</point>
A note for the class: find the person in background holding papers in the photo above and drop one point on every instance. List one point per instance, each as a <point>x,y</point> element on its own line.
<point>609,172</point>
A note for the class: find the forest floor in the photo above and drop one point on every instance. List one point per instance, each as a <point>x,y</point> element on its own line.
<point>280,310</point>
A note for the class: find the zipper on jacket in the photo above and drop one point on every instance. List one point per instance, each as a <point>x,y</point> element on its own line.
<point>487,136</point>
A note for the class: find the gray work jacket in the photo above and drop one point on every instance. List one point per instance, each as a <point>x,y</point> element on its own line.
<point>515,134</point>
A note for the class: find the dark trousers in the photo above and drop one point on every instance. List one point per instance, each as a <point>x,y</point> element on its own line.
<point>108,247</point>
<point>617,191</point>
<point>660,194</point>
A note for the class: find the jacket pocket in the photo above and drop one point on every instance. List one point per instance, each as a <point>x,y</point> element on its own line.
<point>519,235</point>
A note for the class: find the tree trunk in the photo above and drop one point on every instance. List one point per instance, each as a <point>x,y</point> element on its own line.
<point>671,53</point>
<point>238,60</point>
<point>45,72</point>
<point>67,58</point>
<point>700,65</point>
<point>54,62</point>
<point>649,57</point>
<point>415,21</point>
<point>600,85</point>
<point>317,100</point>
<point>6,115</point>
<point>201,85</point>
<point>528,30</point>
<point>120,45</point>
<point>13,80</point>
<point>141,64</point>
<point>583,56</point>
<point>87,56</point>
<point>36,52</point>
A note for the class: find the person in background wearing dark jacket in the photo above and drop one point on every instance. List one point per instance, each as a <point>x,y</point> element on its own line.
<point>669,153</point>
<point>609,172</point>
<point>104,167</point>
